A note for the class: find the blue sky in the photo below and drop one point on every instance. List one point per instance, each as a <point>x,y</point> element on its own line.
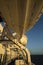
<point>35,38</point>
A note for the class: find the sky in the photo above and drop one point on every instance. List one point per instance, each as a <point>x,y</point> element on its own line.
<point>35,38</point>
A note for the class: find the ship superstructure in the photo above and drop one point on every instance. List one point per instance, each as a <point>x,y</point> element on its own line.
<point>18,17</point>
